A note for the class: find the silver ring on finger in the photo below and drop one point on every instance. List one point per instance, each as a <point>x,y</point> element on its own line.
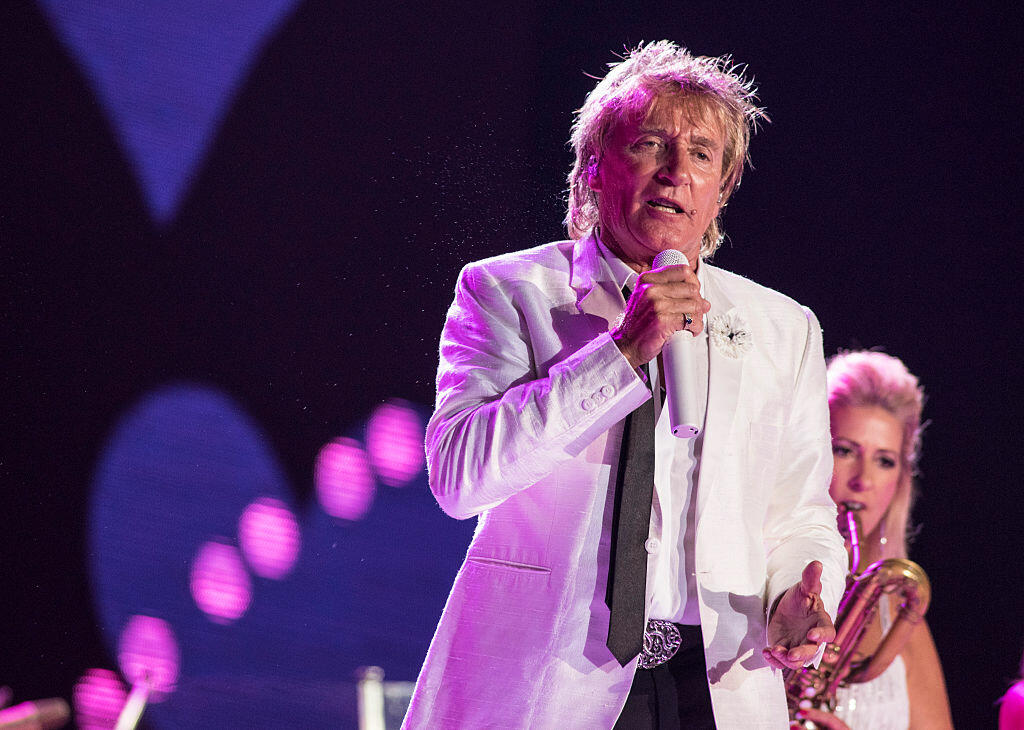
<point>687,321</point>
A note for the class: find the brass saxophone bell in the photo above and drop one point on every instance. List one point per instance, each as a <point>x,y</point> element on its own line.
<point>857,609</point>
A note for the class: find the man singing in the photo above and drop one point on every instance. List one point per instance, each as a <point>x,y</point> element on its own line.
<point>621,576</point>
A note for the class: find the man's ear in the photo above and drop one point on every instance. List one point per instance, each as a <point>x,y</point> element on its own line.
<point>593,174</point>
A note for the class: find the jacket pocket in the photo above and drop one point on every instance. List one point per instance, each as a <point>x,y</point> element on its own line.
<point>524,568</point>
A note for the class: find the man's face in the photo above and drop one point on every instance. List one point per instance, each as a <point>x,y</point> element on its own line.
<point>658,183</point>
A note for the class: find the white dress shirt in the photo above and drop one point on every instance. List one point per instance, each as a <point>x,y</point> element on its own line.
<point>671,575</point>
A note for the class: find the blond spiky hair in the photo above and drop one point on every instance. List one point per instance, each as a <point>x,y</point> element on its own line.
<point>709,86</point>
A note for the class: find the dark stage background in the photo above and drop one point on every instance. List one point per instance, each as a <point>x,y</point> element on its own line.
<point>276,266</point>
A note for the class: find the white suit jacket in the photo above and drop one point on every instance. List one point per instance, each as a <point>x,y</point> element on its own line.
<point>531,395</point>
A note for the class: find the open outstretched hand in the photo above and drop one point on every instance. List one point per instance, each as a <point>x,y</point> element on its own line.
<point>800,622</point>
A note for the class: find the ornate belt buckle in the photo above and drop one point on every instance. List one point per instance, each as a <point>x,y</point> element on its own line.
<point>661,642</point>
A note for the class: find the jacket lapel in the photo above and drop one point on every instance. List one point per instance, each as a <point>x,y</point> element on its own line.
<point>725,376</point>
<point>596,294</point>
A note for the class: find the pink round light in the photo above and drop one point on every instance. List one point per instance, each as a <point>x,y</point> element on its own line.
<point>269,537</point>
<point>98,698</point>
<point>220,584</point>
<point>344,484</point>
<point>394,441</point>
<point>148,654</point>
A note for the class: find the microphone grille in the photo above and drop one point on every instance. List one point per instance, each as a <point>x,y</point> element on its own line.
<point>670,257</point>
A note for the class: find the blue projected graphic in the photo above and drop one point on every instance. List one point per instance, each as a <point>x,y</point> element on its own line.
<point>237,602</point>
<point>166,73</point>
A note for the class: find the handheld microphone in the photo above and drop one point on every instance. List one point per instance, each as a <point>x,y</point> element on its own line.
<point>679,358</point>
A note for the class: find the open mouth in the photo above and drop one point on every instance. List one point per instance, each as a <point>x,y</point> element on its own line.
<point>664,205</point>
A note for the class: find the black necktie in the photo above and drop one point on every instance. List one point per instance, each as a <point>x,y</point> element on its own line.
<point>631,520</point>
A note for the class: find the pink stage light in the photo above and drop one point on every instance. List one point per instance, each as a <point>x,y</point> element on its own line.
<point>148,654</point>
<point>394,441</point>
<point>220,584</point>
<point>344,484</point>
<point>98,698</point>
<point>269,536</point>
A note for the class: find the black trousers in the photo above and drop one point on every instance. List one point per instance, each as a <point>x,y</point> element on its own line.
<point>673,695</point>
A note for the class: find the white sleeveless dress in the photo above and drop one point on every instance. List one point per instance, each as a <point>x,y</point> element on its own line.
<point>882,703</point>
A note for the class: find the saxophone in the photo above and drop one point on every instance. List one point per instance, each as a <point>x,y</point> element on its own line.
<point>840,663</point>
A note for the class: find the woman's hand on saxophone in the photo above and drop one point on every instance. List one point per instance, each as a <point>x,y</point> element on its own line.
<point>799,623</point>
<point>820,718</point>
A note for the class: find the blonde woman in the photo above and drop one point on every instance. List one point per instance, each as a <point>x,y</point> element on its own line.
<point>875,407</point>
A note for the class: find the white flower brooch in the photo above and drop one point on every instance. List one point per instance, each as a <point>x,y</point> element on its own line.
<point>729,333</point>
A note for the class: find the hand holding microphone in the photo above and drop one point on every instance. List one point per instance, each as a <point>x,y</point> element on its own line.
<point>678,356</point>
<point>655,313</point>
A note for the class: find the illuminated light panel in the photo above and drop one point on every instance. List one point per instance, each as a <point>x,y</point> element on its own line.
<point>98,698</point>
<point>166,74</point>
<point>220,584</point>
<point>269,537</point>
<point>148,653</point>
<point>344,484</point>
<point>394,441</point>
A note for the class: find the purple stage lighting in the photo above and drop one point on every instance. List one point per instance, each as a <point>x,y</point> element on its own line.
<point>98,698</point>
<point>148,655</point>
<point>394,441</point>
<point>344,484</point>
<point>220,584</point>
<point>269,537</point>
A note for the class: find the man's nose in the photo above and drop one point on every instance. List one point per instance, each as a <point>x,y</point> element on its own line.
<point>675,169</point>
